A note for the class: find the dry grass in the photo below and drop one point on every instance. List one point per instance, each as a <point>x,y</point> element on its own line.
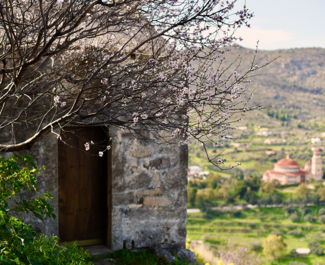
<point>229,254</point>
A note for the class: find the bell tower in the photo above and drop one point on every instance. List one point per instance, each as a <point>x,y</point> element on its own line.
<point>316,165</point>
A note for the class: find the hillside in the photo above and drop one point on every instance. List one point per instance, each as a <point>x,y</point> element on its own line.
<point>295,81</point>
<point>294,88</point>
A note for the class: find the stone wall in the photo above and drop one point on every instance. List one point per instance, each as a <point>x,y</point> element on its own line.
<point>149,193</point>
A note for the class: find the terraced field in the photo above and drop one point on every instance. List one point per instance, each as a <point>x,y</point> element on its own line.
<point>251,226</point>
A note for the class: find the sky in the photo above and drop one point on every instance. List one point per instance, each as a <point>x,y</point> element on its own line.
<point>284,24</point>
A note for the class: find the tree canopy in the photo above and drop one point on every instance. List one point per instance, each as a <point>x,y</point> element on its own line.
<point>148,65</point>
<point>302,190</point>
<point>274,246</point>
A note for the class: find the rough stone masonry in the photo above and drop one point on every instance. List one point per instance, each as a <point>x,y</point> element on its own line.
<point>148,192</point>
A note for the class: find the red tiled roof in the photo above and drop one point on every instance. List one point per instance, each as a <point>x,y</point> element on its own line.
<point>317,151</point>
<point>308,163</point>
<point>287,162</point>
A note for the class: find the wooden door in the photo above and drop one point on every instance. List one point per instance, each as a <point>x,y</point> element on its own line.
<point>83,207</point>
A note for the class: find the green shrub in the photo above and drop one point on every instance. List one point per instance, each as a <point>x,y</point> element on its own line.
<point>262,217</point>
<point>266,226</point>
<point>252,225</point>
<point>315,248</point>
<point>318,251</point>
<point>321,211</point>
<point>256,245</point>
<point>290,210</point>
<point>295,233</point>
<point>304,210</point>
<point>235,213</point>
<point>322,219</point>
<point>259,232</point>
<point>47,251</point>
<point>309,218</point>
<point>313,243</point>
<point>246,230</point>
<point>276,225</point>
<point>277,232</point>
<point>294,217</point>
<point>126,257</point>
<point>18,241</point>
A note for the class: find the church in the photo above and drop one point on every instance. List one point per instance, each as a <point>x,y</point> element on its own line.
<point>288,171</point>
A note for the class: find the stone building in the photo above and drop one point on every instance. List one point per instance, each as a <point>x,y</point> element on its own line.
<point>288,171</point>
<point>133,197</point>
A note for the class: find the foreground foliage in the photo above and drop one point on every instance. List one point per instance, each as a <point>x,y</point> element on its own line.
<point>19,242</point>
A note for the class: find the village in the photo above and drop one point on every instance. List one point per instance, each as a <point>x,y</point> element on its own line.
<point>276,183</point>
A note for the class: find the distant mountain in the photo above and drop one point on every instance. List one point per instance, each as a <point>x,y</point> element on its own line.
<point>294,82</point>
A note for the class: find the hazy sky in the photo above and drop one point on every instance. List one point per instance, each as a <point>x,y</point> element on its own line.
<point>284,24</point>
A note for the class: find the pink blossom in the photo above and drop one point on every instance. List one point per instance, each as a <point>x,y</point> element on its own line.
<point>100,154</point>
<point>56,100</point>
<point>104,81</point>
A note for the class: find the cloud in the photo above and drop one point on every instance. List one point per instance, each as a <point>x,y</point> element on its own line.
<point>267,38</point>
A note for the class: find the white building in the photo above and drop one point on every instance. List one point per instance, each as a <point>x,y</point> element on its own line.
<point>316,140</point>
<point>196,172</point>
<point>264,132</point>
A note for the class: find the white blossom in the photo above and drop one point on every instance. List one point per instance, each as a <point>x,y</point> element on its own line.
<point>87,146</point>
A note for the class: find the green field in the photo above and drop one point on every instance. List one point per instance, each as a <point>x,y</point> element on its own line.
<point>248,228</point>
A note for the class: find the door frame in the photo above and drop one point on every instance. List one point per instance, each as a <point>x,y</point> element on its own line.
<point>108,229</point>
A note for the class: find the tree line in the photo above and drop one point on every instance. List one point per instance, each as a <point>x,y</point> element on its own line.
<point>217,191</point>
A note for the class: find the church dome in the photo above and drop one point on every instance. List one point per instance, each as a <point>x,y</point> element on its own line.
<point>287,162</point>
